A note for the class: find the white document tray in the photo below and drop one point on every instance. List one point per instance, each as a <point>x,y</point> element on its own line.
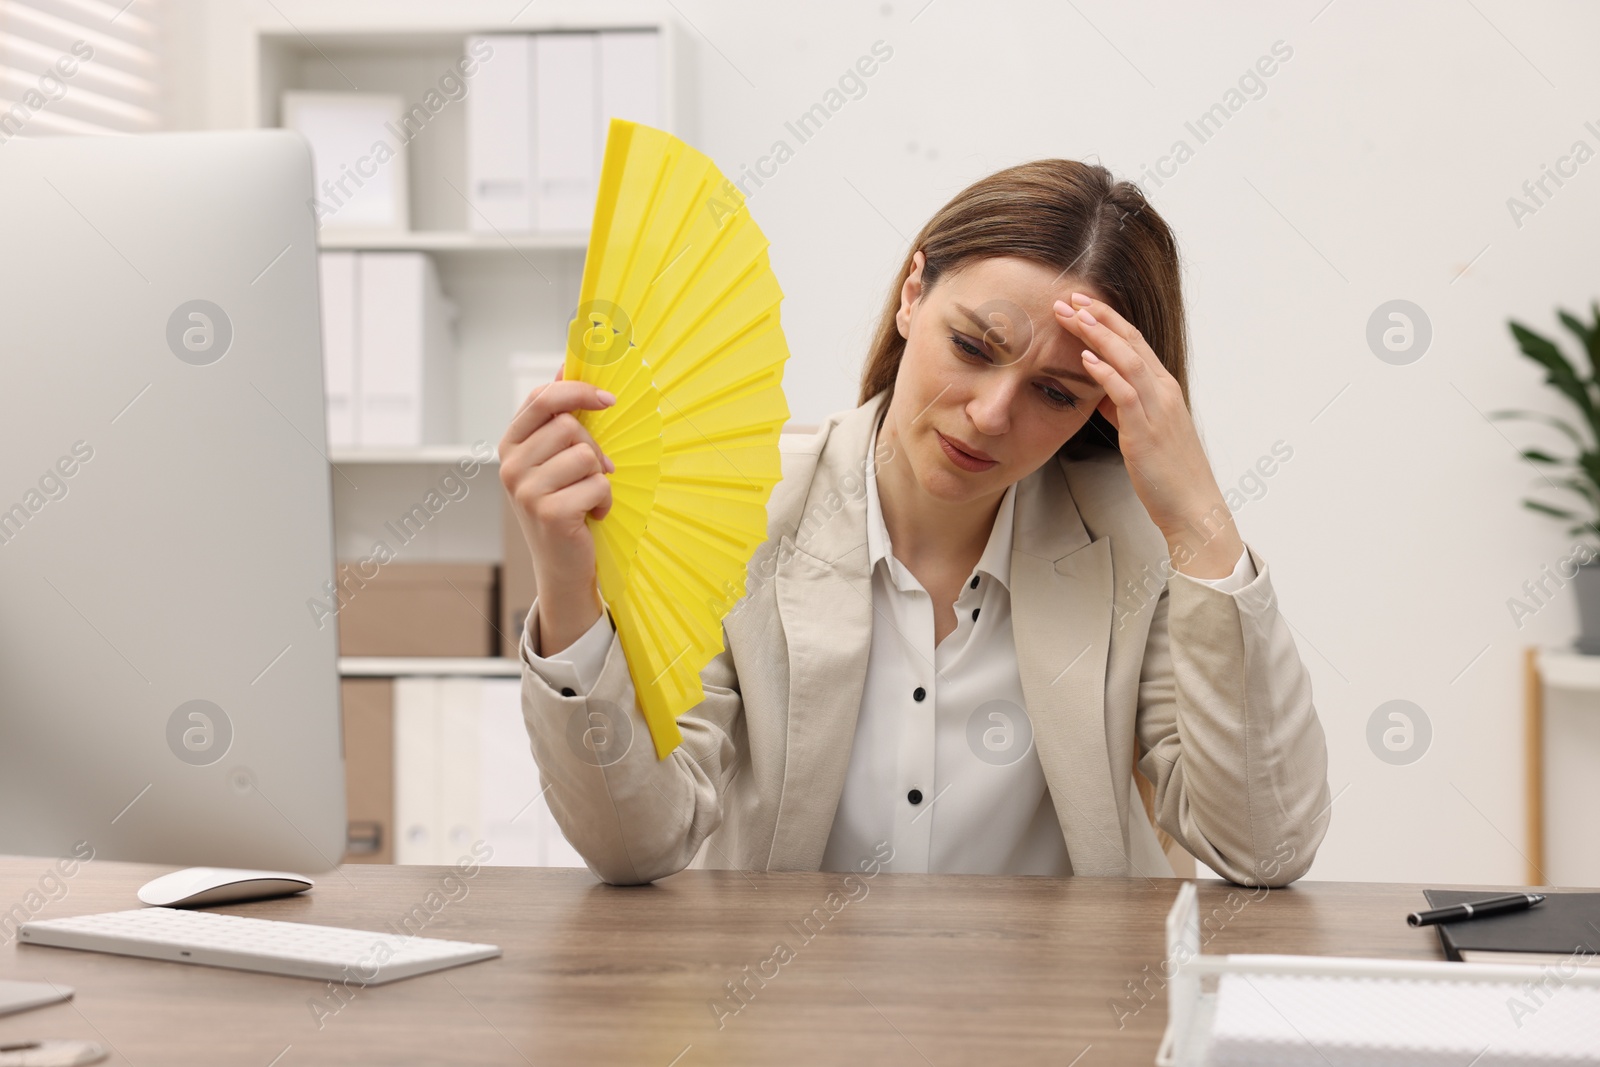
<point>1191,1012</point>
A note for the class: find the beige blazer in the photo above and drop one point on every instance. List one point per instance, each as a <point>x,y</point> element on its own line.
<point>1205,686</point>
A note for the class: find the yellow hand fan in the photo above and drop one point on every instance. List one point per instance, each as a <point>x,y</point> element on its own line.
<point>678,317</point>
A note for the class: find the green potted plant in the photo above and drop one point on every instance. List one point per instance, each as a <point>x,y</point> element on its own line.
<point>1579,474</point>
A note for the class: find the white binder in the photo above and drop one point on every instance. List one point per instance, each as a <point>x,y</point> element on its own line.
<point>435,769</point>
<point>416,771</point>
<point>513,812</point>
<point>537,119</point>
<point>568,139</point>
<point>500,135</point>
<point>405,353</point>
<point>464,772</point>
<point>337,279</point>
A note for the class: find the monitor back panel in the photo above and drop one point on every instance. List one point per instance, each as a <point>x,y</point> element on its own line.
<point>167,692</point>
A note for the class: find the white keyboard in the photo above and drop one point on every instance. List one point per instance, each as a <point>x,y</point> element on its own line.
<point>299,950</point>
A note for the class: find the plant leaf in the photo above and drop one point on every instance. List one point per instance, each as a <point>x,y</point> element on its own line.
<point>1546,509</point>
<point>1544,352</point>
<point>1548,420</point>
<point>1541,457</point>
<point>1589,463</point>
<point>1585,489</point>
<point>1588,335</point>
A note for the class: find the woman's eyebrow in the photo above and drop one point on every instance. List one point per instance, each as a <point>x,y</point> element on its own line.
<point>1062,372</point>
<point>985,327</point>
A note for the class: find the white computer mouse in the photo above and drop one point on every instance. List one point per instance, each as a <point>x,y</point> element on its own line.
<point>196,886</point>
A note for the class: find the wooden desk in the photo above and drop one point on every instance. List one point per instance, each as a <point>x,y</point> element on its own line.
<point>917,969</point>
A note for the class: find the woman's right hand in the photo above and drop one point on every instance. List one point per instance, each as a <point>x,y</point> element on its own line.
<point>555,475</point>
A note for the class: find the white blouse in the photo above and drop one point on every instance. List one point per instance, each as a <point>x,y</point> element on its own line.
<point>942,765</point>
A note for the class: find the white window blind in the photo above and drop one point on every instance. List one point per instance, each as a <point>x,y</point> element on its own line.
<point>78,67</point>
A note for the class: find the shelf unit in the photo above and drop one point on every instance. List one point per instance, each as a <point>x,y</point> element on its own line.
<point>1564,668</point>
<point>513,291</point>
<point>1561,743</point>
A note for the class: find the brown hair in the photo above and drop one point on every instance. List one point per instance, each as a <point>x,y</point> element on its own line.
<point>1066,215</point>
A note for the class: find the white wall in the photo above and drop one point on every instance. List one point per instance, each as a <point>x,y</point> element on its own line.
<point>1376,166</point>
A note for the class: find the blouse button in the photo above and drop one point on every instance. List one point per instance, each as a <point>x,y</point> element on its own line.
<point>915,796</point>
<point>974,581</point>
<point>567,691</point>
<point>975,614</point>
<point>918,693</point>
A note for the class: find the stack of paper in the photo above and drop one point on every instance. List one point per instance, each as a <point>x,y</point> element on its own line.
<point>387,348</point>
<point>537,120</point>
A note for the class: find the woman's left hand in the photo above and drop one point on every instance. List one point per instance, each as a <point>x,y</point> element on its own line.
<point>1159,443</point>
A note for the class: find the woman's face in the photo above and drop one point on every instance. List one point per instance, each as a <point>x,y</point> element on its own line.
<point>988,369</point>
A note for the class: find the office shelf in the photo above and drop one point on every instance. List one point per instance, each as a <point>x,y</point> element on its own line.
<point>424,455</point>
<point>454,241</point>
<point>428,666</point>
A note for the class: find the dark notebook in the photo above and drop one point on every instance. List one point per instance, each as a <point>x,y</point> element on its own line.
<point>1566,924</point>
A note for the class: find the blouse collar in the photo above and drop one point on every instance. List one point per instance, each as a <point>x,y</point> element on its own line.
<point>996,558</point>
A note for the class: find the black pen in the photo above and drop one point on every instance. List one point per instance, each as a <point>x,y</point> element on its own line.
<point>1476,909</point>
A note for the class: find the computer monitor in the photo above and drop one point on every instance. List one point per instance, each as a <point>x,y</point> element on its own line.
<point>168,693</point>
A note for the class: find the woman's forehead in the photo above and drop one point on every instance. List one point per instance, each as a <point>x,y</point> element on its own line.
<point>1031,285</point>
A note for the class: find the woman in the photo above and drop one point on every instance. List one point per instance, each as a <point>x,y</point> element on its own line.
<point>994,587</point>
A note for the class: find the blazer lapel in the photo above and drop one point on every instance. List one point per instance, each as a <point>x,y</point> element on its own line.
<point>1061,614</point>
<point>824,595</point>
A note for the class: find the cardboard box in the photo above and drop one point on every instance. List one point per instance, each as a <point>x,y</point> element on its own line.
<point>516,583</point>
<point>369,768</point>
<point>418,609</point>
